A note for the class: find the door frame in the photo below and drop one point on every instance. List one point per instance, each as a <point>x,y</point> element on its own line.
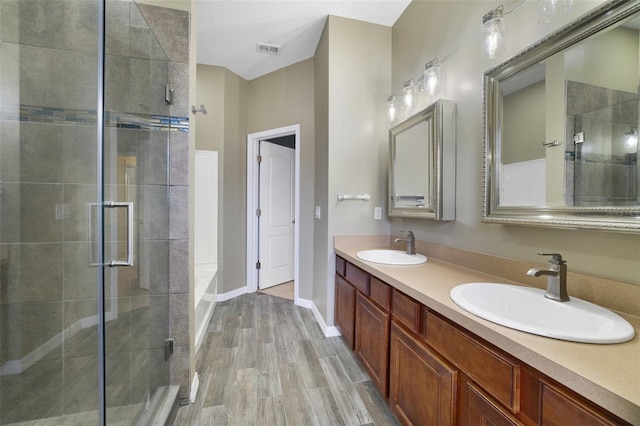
<point>253,175</point>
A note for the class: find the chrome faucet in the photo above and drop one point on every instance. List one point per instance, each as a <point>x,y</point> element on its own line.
<point>556,277</point>
<point>411,242</point>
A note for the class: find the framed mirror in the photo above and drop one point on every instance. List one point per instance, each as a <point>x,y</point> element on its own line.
<point>561,126</point>
<point>422,164</point>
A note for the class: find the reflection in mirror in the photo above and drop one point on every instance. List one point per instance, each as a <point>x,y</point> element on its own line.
<point>422,164</point>
<point>561,127</point>
<point>411,161</point>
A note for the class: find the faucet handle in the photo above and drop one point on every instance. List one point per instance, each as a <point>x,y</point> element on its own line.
<point>556,258</point>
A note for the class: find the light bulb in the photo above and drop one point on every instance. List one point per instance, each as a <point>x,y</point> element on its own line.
<point>631,141</point>
<point>391,108</point>
<point>493,28</point>
<point>432,77</point>
<point>409,94</point>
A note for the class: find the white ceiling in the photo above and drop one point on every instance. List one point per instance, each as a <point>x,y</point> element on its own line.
<point>228,30</point>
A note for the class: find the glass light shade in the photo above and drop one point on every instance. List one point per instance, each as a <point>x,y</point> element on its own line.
<point>550,10</point>
<point>432,78</point>
<point>392,109</point>
<point>409,94</point>
<point>493,34</point>
<point>631,141</point>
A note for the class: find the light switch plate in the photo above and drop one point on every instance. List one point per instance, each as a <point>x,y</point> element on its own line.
<point>318,215</point>
<point>377,213</point>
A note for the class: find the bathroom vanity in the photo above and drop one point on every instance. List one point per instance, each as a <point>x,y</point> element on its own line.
<point>439,365</point>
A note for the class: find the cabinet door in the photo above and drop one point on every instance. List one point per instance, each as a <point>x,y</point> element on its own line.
<point>482,411</point>
<point>421,387</point>
<point>345,310</point>
<point>372,341</point>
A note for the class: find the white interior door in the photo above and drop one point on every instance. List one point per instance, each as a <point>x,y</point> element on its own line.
<point>276,222</point>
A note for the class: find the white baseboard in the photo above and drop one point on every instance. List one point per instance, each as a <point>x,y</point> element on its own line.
<point>195,384</point>
<point>304,303</point>
<point>232,294</point>
<point>326,330</point>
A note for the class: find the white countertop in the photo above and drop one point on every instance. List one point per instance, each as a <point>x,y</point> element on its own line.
<point>608,375</point>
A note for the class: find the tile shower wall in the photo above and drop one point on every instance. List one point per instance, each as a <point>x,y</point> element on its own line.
<point>48,350</point>
<point>603,169</point>
<point>171,27</point>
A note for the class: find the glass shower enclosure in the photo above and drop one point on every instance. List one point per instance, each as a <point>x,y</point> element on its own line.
<point>84,228</point>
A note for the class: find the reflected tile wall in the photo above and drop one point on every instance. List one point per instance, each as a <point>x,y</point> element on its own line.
<point>600,171</point>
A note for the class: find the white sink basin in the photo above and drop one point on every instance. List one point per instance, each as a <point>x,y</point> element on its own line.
<point>391,257</point>
<point>526,309</point>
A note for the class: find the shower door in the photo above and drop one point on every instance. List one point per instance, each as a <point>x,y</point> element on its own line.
<point>83,213</point>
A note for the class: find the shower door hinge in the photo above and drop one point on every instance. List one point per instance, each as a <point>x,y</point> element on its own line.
<point>258,266</point>
<point>259,159</point>
<point>168,349</point>
<point>578,138</point>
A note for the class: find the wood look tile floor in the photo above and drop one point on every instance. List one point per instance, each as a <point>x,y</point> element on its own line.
<point>265,361</point>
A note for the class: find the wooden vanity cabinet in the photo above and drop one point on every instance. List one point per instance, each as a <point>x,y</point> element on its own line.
<point>558,405</point>
<point>435,372</point>
<point>362,311</point>
<point>422,387</point>
<point>481,410</point>
<point>345,310</point>
<point>372,341</point>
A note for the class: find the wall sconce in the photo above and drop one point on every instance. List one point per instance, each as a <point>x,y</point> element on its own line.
<point>431,79</point>
<point>493,33</point>
<point>392,108</point>
<point>409,94</point>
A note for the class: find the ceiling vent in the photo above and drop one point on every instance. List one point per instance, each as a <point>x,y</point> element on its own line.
<point>271,49</point>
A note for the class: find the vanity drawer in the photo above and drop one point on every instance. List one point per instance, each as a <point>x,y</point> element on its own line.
<point>558,405</point>
<point>357,277</point>
<point>380,293</point>
<point>499,376</point>
<point>340,266</point>
<point>405,310</point>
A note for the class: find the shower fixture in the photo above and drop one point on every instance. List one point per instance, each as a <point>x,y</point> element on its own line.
<point>202,109</point>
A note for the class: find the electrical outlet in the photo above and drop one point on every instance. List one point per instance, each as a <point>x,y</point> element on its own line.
<point>318,215</point>
<point>377,213</point>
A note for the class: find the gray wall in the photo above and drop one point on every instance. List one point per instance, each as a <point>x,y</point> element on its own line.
<point>351,153</point>
<point>223,129</point>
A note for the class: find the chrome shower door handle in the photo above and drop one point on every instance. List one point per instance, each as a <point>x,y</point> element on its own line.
<point>129,206</point>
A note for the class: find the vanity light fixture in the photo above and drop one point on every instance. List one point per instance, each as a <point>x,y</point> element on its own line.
<point>431,79</point>
<point>493,40</point>
<point>392,108</point>
<point>409,94</point>
<point>493,33</point>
